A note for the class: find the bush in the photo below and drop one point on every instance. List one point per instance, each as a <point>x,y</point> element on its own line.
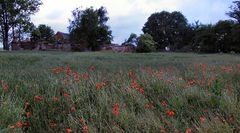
<point>146,44</point>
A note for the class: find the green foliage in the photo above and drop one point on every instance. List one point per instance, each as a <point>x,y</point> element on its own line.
<point>167,29</point>
<point>205,39</point>
<point>131,40</point>
<point>145,44</point>
<point>15,15</point>
<point>43,33</point>
<point>221,37</point>
<point>235,13</point>
<point>89,25</point>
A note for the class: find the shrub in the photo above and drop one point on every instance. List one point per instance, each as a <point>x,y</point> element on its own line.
<point>145,44</point>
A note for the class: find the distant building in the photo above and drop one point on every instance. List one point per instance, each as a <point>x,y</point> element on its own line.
<point>129,48</point>
<point>62,37</point>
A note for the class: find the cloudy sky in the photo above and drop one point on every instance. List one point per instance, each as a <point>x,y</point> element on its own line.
<point>129,16</point>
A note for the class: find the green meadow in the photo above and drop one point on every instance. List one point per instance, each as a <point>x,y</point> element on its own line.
<point>114,92</point>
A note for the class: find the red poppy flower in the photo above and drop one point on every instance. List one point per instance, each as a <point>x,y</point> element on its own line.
<point>164,103</point>
<point>189,130</point>
<point>85,128</point>
<point>66,95</point>
<point>115,109</point>
<point>116,113</point>
<point>170,113</point>
<point>69,130</point>
<point>28,113</point>
<point>72,109</point>
<point>52,124</point>
<point>37,97</point>
<point>55,99</point>
<point>81,120</point>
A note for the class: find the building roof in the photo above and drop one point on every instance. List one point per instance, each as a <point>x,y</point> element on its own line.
<point>65,35</point>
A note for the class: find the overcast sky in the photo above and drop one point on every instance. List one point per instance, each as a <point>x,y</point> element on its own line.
<point>129,16</point>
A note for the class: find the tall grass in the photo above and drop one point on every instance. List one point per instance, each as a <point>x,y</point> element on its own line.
<point>107,92</point>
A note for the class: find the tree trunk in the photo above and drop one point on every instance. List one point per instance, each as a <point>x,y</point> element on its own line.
<point>13,34</point>
<point>5,31</point>
<point>5,38</point>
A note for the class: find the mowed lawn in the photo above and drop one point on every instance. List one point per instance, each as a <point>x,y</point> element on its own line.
<point>110,92</point>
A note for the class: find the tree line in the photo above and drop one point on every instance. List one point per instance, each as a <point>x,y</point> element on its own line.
<point>89,27</point>
<point>171,30</point>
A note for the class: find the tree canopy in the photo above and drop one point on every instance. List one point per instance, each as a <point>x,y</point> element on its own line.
<point>43,33</point>
<point>166,28</point>
<point>89,25</point>
<point>235,13</point>
<point>15,17</point>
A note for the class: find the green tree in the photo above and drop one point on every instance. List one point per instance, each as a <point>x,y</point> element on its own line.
<point>223,35</point>
<point>205,39</point>
<point>89,26</point>
<point>132,39</point>
<point>167,29</point>
<point>146,44</point>
<point>235,13</point>
<point>235,37</point>
<point>43,33</point>
<point>11,13</point>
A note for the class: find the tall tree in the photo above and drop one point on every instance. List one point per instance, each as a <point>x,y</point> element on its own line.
<point>235,13</point>
<point>12,12</point>
<point>89,25</point>
<point>223,35</point>
<point>205,39</point>
<point>166,28</point>
<point>43,33</point>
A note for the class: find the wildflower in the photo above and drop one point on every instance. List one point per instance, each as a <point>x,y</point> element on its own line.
<point>69,70</point>
<point>116,113</point>
<point>37,97</point>
<point>81,120</point>
<point>189,130</point>
<point>66,95</point>
<point>28,114</point>
<point>164,103</point>
<point>68,130</point>
<point>170,113</point>
<point>65,81</point>
<point>117,104</point>
<point>147,106</point>
<point>5,87</point>
<point>18,124</point>
<point>24,124</point>
<point>131,73</point>
<point>115,109</point>
<point>92,68</point>
<point>55,99</point>
<point>124,105</point>
<point>85,128</point>
<point>202,119</point>
<point>209,84</point>
<point>72,109</point>
<point>98,86</point>
<point>52,124</point>
<point>134,80</point>
<point>141,91</point>
<point>26,104</point>
<point>231,118</point>
<point>191,82</point>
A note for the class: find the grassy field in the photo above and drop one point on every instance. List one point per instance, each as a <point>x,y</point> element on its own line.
<point>107,92</point>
